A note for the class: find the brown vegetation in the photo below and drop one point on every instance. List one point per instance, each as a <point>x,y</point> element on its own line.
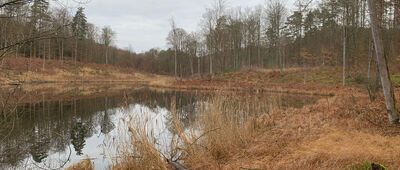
<point>84,165</point>
<point>319,80</point>
<point>334,134</point>
<point>25,70</point>
<point>338,132</point>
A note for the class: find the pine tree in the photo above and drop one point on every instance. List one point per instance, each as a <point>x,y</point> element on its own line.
<point>37,18</point>
<point>79,24</point>
<point>39,11</point>
<point>79,29</point>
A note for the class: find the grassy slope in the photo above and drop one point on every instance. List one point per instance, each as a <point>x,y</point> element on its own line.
<point>314,81</point>
<point>31,71</point>
<point>335,133</point>
<point>319,80</point>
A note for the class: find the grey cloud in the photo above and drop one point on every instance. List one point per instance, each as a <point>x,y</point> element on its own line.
<point>144,24</point>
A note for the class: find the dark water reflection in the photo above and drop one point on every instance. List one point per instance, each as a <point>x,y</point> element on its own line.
<point>59,133</point>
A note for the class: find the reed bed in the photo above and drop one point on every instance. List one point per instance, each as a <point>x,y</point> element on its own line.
<point>224,124</point>
<point>249,131</point>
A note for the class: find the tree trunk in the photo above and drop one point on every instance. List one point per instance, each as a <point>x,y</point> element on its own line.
<point>211,65</point>
<point>107,54</point>
<point>383,68</point>
<point>191,65</point>
<point>259,55</point>
<point>76,53</point>
<point>44,55</point>
<point>198,65</point>
<point>30,55</point>
<point>16,51</point>
<point>176,63</point>
<point>370,61</point>
<point>344,46</point>
<point>49,54</point>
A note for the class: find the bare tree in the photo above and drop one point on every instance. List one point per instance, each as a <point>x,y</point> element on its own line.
<point>107,37</point>
<point>302,6</point>
<point>210,22</point>
<point>383,67</point>
<point>14,2</point>
<point>191,49</point>
<point>275,18</point>
<point>344,41</point>
<point>176,39</point>
<point>173,40</point>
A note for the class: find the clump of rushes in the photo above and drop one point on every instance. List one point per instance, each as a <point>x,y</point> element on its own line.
<point>138,150</point>
<point>228,125</point>
<point>224,124</point>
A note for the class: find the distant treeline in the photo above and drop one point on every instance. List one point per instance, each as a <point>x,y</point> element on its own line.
<point>315,33</point>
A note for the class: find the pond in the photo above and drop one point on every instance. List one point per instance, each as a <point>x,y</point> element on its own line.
<point>53,132</point>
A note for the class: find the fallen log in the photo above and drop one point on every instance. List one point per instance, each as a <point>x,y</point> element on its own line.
<point>177,166</point>
<point>15,84</point>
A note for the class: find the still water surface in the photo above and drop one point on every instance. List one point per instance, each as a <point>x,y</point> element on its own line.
<point>61,132</point>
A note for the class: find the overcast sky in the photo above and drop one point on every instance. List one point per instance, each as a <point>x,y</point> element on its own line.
<point>144,24</point>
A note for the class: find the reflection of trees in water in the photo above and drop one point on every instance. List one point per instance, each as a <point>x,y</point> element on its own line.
<point>106,124</point>
<point>52,126</point>
<point>183,103</point>
<point>39,141</point>
<point>78,133</point>
<point>285,101</point>
<point>11,152</point>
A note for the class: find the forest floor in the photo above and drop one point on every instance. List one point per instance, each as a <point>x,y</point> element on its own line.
<point>17,70</point>
<point>317,80</point>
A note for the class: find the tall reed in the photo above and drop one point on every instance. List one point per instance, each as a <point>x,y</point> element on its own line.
<point>224,124</point>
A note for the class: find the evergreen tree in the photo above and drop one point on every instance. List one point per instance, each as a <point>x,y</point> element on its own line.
<point>38,17</point>
<point>79,29</point>
<point>39,11</point>
<point>79,24</point>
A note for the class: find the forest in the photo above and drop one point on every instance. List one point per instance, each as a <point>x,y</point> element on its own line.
<point>314,33</point>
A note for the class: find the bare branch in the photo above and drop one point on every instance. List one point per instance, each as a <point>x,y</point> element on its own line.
<point>15,2</point>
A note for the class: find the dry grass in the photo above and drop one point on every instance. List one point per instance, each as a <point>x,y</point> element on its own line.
<point>340,132</point>
<point>28,93</point>
<point>224,126</point>
<point>353,147</point>
<point>137,145</point>
<point>17,70</point>
<point>234,120</point>
<point>319,80</point>
<point>333,134</point>
<point>84,165</point>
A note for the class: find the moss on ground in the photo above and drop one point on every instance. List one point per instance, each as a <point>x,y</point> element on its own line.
<point>396,78</point>
<point>367,166</point>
